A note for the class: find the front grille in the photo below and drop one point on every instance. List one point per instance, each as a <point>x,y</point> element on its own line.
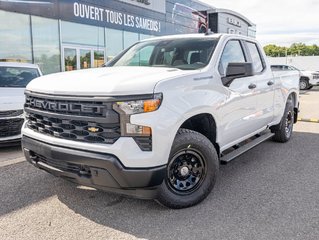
<point>316,76</point>
<point>84,121</point>
<point>11,113</point>
<point>10,127</point>
<point>76,130</point>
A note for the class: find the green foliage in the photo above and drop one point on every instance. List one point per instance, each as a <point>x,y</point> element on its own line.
<point>296,49</point>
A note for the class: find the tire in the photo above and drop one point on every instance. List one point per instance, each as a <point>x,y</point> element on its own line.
<point>303,84</point>
<point>311,86</point>
<point>283,130</point>
<point>191,171</point>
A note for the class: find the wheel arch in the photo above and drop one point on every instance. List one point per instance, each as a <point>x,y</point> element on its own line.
<point>205,124</point>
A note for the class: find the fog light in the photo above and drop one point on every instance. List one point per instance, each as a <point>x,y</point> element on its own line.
<point>138,130</point>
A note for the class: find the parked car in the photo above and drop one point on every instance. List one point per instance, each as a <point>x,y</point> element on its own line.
<point>308,79</point>
<point>13,79</point>
<point>157,121</point>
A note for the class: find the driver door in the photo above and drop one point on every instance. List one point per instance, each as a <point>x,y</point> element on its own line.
<point>239,111</point>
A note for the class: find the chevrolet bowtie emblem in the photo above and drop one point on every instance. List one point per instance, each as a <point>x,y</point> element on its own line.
<point>93,129</point>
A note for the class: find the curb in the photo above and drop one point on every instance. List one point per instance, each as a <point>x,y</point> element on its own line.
<point>313,120</point>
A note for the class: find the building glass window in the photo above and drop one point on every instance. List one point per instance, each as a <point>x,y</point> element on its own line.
<point>114,43</point>
<point>46,47</point>
<point>144,36</point>
<point>98,58</point>
<point>85,58</point>
<point>70,60</point>
<point>15,41</point>
<point>129,39</point>
<point>80,34</point>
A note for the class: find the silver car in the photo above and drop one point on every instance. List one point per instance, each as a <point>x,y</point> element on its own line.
<point>13,79</point>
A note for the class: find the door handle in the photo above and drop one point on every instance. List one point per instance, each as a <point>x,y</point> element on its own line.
<point>252,86</point>
<point>270,83</point>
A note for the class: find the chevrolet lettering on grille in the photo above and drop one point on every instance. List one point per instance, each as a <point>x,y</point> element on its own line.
<point>70,107</point>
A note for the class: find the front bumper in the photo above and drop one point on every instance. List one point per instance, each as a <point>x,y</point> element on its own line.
<point>314,82</point>
<point>10,129</point>
<point>98,170</point>
<point>10,141</point>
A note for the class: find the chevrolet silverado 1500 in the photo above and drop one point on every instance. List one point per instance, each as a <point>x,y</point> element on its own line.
<point>158,119</point>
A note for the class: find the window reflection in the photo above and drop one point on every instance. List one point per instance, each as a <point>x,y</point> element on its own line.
<point>15,40</point>
<point>46,47</point>
<point>85,58</point>
<point>98,58</point>
<point>76,33</point>
<point>130,38</point>
<point>70,59</point>
<point>114,43</point>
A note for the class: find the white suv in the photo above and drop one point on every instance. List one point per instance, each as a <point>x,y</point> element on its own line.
<point>308,79</point>
<point>13,79</point>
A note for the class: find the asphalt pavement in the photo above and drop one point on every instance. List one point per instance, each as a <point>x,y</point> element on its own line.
<point>270,192</point>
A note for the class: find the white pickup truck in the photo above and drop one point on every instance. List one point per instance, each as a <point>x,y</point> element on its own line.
<point>157,121</point>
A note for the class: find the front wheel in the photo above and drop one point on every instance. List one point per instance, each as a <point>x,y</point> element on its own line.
<point>191,170</point>
<point>283,130</point>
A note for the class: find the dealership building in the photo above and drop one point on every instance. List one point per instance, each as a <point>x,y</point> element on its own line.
<point>67,35</point>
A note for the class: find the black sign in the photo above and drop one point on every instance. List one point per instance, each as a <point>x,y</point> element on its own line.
<point>179,18</point>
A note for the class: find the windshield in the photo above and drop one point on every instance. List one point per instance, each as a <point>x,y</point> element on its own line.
<point>186,54</point>
<point>17,76</point>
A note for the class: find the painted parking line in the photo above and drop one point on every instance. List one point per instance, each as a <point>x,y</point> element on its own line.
<point>12,161</point>
<point>313,120</point>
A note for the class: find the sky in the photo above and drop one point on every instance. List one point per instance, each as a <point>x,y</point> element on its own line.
<point>280,22</point>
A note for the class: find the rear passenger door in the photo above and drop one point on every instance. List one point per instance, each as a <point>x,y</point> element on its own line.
<point>265,85</point>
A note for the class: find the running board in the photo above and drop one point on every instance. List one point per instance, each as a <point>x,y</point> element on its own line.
<point>235,153</point>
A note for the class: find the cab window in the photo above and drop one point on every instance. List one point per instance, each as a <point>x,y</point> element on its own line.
<point>233,52</point>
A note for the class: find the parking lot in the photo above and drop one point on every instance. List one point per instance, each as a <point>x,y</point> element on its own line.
<point>270,192</point>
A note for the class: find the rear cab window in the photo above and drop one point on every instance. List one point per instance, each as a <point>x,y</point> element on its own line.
<point>256,58</point>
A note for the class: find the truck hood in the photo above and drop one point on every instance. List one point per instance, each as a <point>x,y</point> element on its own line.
<point>112,81</point>
<point>11,98</point>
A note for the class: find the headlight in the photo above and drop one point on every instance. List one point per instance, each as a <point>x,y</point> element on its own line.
<point>128,108</point>
<point>141,106</point>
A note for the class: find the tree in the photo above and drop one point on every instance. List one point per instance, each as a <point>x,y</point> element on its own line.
<point>296,49</point>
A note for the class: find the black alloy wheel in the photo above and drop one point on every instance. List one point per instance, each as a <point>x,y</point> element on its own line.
<point>192,170</point>
<point>186,171</point>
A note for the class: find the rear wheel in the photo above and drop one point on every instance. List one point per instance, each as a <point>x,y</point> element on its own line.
<point>303,84</point>
<point>283,130</point>
<point>191,170</point>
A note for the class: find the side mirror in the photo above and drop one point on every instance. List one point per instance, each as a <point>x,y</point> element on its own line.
<point>237,70</point>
